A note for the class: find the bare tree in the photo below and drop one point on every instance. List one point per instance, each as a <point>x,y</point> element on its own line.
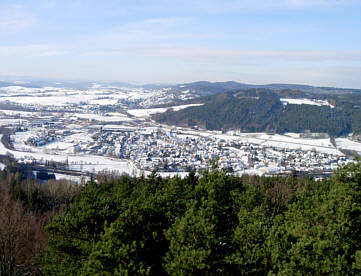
<point>21,238</point>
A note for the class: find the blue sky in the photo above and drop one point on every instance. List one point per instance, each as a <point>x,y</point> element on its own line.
<point>314,42</point>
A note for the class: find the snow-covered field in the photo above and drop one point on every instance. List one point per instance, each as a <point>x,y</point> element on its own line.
<point>87,163</point>
<point>347,144</point>
<point>150,111</point>
<point>5,122</point>
<point>59,146</point>
<point>146,112</point>
<point>180,107</point>
<point>104,118</point>
<point>275,140</point>
<point>73,178</point>
<point>95,96</point>
<point>306,101</point>
<point>88,129</point>
<point>20,138</point>
<point>17,113</point>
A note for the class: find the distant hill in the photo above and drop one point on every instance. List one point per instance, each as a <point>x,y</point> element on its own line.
<point>8,83</point>
<point>258,110</point>
<point>40,84</point>
<point>204,88</point>
<point>197,89</point>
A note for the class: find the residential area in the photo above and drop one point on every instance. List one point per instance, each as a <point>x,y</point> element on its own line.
<point>97,133</point>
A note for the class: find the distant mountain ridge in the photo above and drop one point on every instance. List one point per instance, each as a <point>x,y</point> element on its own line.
<point>209,88</point>
<point>233,105</point>
<point>203,88</point>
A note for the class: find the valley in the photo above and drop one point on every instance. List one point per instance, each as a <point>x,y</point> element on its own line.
<point>104,128</point>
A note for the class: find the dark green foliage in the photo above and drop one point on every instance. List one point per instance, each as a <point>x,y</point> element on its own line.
<point>251,111</point>
<point>75,232</point>
<point>299,118</point>
<point>320,234</point>
<point>259,110</point>
<point>200,240</point>
<point>351,105</point>
<point>212,224</point>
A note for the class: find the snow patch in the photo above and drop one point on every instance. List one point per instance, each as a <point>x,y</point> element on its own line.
<point>286,101</point>
<point>347,144</point>
<point>180,107</point>
<point>146,112</point>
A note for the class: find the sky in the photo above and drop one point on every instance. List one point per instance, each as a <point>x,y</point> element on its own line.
<point>316,42</point>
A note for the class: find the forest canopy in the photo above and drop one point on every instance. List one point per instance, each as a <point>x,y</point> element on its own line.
<point>210,224</point>
<point>259,110</point>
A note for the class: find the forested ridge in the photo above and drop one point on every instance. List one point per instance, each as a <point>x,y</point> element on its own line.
<point>213,223</point>
<point>259,110</point>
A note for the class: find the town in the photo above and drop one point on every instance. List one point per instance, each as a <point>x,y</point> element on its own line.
<point>92,131</point>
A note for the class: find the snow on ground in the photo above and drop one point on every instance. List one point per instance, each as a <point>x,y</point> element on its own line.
<point>118,127</point>
<point>274,140</point>
<point>79,137</point>
<point>166,174</point>
<point>347,144</point>
<point>59,146</point>
<point>39,97</point>
<point>55,96</point>
<point>52,96</point>
<point>74,126</point>
<point>20,137</point>
<point>2,166</point>
<point>18,113</point>
<point>18,89</point>
<point>253,172</point>
<point>271,140</point>
<point>146,112</point>
<point>292,134</point>
<point>104,101</point>
<point>73,178</point>
<point>93,163</point>
<point>320,145</point>
<point>4,122</point>
<point>286,142</point>
<point>187,136</point>
<point>172,174</point>
<point>53,100</point>
<point>304,141</point>
<point>286,101</point>
<point>85,163</point>
<point>150,111</point>
<point>180,107</point>
<point>103,118</point>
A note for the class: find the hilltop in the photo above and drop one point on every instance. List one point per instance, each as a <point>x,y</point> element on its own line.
<point>259,110</point>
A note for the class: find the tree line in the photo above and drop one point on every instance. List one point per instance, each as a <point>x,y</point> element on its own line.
<point>210,224</point>
<point>213,223</point>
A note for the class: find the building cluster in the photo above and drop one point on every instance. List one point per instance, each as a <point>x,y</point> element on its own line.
<point>172,151</point>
